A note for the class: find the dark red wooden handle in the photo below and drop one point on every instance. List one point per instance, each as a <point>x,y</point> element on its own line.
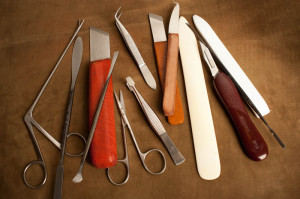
<point>253,143</point>
<point>103,151</point>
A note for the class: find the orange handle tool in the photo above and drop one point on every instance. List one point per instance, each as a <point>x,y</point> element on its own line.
<point>161,54</point>
<point>171,75</point>
<point>103,151</point>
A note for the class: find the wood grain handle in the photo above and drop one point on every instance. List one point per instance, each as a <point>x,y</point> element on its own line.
<point>253,143</point>
<point>171,75</point>
<point>161,55</point>
<point>103,151</point>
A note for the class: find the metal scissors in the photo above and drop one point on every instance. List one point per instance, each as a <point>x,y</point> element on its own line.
<point>30,122</point>
<point>125,161</point>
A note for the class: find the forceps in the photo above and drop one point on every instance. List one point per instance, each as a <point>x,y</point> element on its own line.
<point>125,122</point>
<point>29,121</point>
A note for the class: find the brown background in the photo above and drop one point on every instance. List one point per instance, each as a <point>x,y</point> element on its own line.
<point>263,36</point>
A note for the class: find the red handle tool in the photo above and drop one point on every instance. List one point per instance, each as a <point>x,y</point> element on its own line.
<point>103,151</point>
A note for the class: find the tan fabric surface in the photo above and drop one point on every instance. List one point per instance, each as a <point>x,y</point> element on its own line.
<point>263,36</point>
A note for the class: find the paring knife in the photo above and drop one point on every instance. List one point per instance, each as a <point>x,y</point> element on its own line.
<point>204,138</point>
<point>253,143</point>
<point>171,66</point>
<point>103,150</point>
<point>231,67</point>
<point>135,53</point>
<point>156,125</point>
<point>160,47</point>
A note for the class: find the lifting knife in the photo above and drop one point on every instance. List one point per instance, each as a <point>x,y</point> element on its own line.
<point>160,47</point>
<point>253,143</point>
<point>171,65</point>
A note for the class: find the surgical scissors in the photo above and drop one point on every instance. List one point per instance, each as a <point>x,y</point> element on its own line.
<point>125,161</point>
<point>29,121</point>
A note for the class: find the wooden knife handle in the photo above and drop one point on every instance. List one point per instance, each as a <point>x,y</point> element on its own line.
<point>253,143</point>
<point>103,151</point>
<point>171,75</point>
<point>161,55</point>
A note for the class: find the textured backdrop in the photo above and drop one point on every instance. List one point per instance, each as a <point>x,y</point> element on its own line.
<point>263,36</point>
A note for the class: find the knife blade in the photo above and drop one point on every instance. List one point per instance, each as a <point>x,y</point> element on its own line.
<point>204,137</point>
<point>171,65</point>
<point>135,53</point>
<point>103,151</point>
<point>231,67</point>
<point>253,143</point>
<point>160,47</point>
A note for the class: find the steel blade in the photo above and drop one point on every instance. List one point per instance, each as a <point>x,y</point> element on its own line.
<point>99,44</point>
<point>157,28</point>
<point>174,20</point>
<point>76,57</point>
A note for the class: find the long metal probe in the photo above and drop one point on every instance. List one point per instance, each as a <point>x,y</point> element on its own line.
<point>57,64</point>
<point>78,178</point>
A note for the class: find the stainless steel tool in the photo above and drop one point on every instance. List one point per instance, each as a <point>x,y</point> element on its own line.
<point>125,161</point>
<point>30,122</point>
<point>78,178</point>
<point>125,122</point>
<point>76,60</point>
<point>135,53</point>
<point>156,125</point>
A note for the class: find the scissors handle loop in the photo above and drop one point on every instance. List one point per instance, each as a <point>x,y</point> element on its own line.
<point>143,158</point>
<point>126,163</point>
<point>82,138</point>
<point>42,164</point>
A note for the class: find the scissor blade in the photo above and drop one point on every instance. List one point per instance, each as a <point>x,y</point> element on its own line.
<point>121,110</point>
<point>122,101</point>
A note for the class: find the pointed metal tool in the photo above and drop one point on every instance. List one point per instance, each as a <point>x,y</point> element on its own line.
<point>135,53</point>
<point>156,125</point>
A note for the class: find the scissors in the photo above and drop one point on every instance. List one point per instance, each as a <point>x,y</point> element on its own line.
<point>30,122</point>
<point>125,161</point>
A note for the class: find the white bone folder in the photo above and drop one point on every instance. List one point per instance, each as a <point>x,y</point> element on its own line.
<point>205,143</point>
<point>235,72</point>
